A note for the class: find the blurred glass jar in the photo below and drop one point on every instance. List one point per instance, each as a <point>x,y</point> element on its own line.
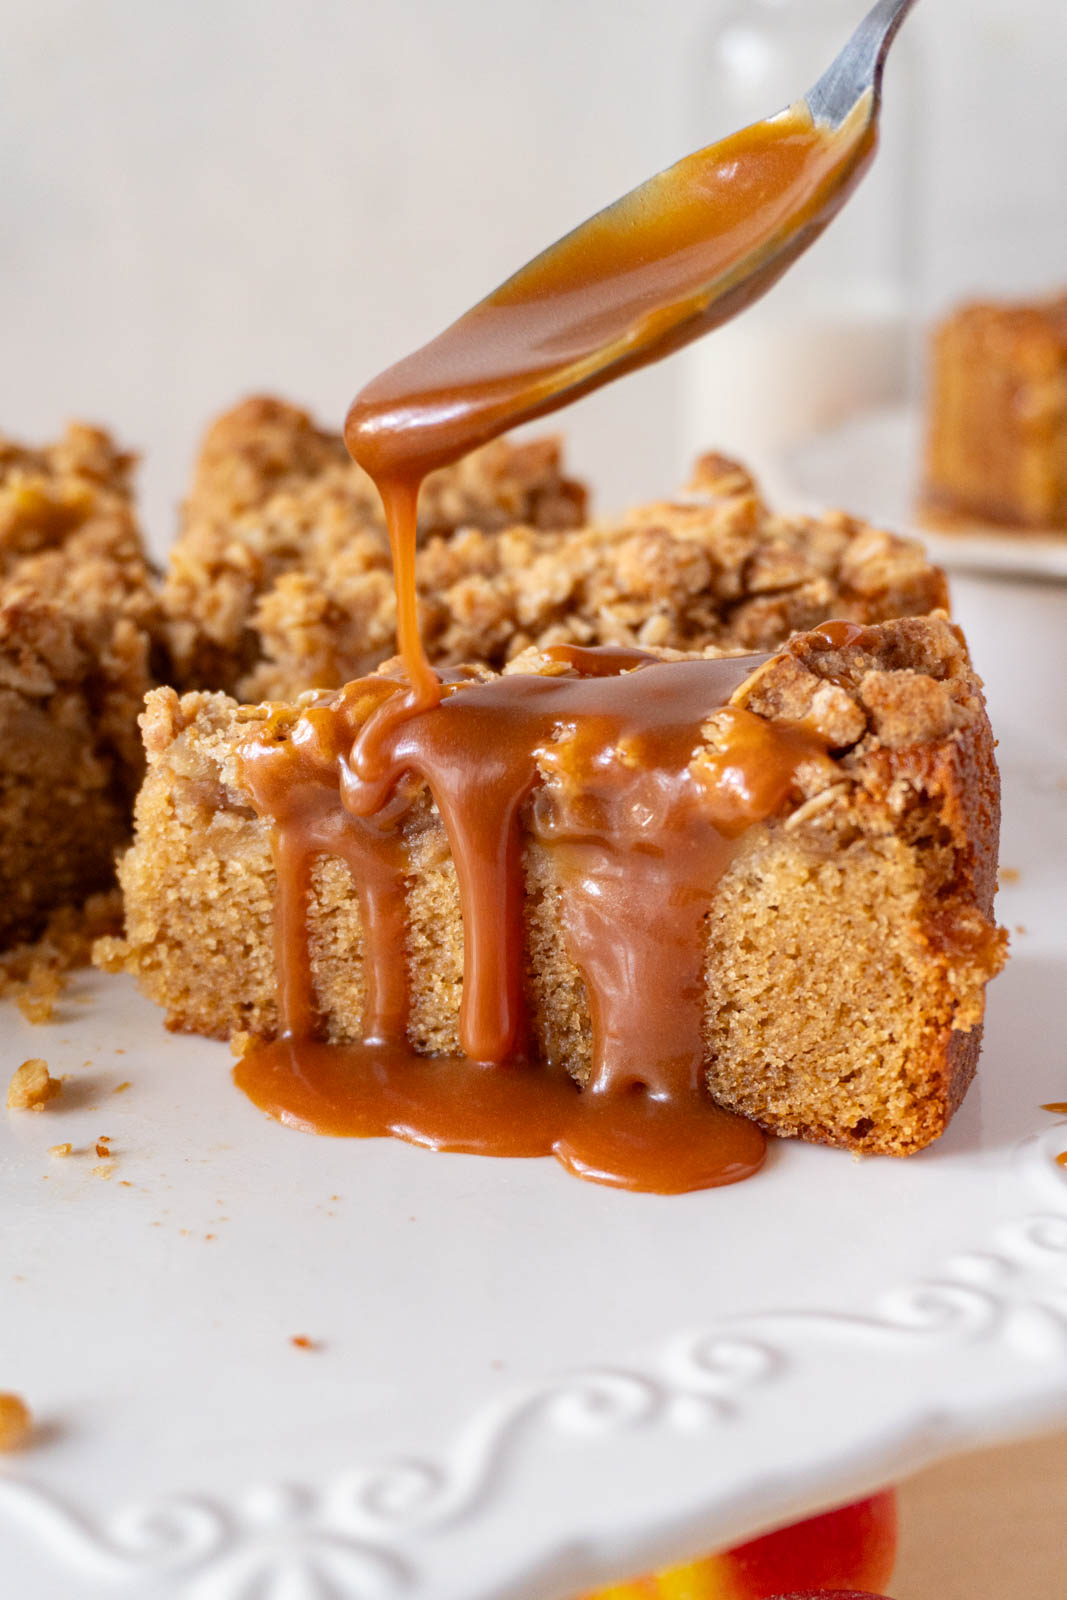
<point>837,334</point>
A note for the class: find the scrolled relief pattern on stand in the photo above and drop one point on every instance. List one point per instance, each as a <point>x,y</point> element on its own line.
<point>361,1534</point>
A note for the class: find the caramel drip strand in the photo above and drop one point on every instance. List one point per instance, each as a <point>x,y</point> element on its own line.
<point>645,988</point>
<point>400,496</point>
<point>297,1011</point>
<point>295,782</point>
<point>479,786</point>
<point>378,864</point>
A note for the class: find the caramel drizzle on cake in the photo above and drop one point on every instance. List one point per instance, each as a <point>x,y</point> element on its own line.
<point>600,762</point>
<point>606,766</point>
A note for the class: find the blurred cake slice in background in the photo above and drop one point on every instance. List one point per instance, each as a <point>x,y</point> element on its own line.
<point>77,620</point>
<point>996,442</point>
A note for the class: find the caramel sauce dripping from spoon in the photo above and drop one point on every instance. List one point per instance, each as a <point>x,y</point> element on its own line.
<point>673,258</point>
<point>604,766</point>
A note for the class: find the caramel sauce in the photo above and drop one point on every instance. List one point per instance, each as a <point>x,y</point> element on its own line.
<point>603,765</point>
<point>605,768</point>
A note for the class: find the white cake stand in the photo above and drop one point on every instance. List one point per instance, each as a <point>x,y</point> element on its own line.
<point>520,1385</point>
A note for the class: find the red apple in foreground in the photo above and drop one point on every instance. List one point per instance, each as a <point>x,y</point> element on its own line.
<point>822,1557</point>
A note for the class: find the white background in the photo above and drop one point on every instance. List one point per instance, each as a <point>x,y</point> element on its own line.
<point>203,197</point>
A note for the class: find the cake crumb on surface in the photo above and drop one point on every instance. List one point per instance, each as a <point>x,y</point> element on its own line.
<point>1009,875</point>
<point>120,1088</point>
<point>301,1341</point>
<point>34,975</point>
<point>15,1421</point>
<point>61,1150</point>
<point>104,1169</point>
<point>32,1086</point>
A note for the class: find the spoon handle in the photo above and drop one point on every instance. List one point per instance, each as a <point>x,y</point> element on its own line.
<point>859,65</point>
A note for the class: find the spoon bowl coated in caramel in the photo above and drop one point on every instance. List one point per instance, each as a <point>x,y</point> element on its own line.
<point>663,265</point>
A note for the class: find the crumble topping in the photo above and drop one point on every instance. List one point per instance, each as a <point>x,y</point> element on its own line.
<point>281,579</point>
<point>284,534</point>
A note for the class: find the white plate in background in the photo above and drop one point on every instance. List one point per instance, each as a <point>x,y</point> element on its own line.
<point>870,465</point>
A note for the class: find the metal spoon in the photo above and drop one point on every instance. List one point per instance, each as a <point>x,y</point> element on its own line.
<point>859,66</point>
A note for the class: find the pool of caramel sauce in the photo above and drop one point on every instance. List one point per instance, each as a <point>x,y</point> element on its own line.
<point>603,762</point>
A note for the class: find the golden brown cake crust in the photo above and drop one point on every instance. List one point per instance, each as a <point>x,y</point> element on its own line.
<point>849,942</point>
<point>77,617</point>
<point>281,579</point>
<point>931,765</point>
